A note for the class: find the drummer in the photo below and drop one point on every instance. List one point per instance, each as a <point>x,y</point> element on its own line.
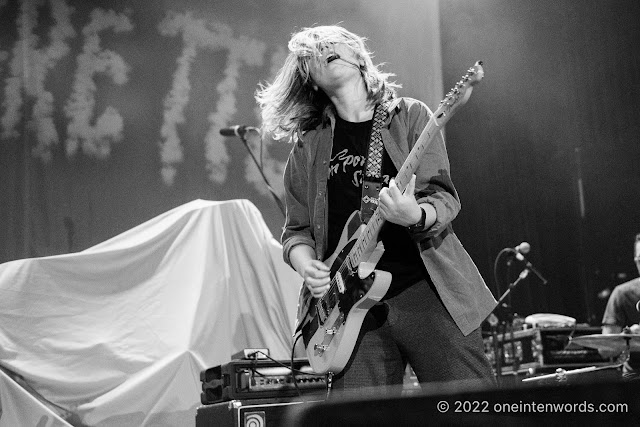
<point>623,311</point>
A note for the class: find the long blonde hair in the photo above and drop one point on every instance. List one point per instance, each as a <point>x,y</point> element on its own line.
<point>290,105</point>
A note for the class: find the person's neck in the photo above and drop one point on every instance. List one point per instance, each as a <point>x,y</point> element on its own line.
<point>352,103</point>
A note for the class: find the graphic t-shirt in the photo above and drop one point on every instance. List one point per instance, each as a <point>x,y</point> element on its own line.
<point>348,156</point>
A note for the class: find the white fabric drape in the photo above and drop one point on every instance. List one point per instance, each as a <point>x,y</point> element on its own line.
<point>118,334</point>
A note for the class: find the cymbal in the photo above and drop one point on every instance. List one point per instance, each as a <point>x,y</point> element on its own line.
<point>611,342</point>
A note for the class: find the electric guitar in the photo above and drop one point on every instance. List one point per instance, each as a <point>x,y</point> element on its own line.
<point>332,325</point>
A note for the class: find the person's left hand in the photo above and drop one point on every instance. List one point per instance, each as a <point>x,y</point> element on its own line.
<point>400,207</point>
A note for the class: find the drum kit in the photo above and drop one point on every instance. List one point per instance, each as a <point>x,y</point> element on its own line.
<point>621,344</point>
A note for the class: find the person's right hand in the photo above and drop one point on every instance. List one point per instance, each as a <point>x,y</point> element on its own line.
<point>316,277</point>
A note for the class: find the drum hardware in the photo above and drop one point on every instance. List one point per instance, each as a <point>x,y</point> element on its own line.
<point>541,349</point>
<point>562,376</point>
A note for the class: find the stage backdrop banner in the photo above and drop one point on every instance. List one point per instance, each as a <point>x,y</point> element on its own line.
<point>117,334</point>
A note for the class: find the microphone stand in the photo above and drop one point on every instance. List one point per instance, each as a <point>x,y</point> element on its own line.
<point>497,354</point>
<point>273,193</point>
<point>493,320</point>
<point>521,276</point>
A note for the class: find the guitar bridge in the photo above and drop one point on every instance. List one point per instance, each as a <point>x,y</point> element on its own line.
<point>320,348</point>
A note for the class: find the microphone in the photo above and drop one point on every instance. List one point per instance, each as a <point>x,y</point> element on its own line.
<point>524,248</point>
<point>519,251</point>
<point>237,130</point>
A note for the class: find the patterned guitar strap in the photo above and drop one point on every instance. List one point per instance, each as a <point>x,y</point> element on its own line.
<point>372,182</point>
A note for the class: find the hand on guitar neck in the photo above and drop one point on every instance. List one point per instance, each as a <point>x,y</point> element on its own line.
<point>400,207</point>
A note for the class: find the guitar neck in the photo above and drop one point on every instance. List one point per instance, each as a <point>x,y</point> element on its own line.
<point>411,163</point>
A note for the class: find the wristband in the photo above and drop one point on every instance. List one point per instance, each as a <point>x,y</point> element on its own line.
<point>418,226</point>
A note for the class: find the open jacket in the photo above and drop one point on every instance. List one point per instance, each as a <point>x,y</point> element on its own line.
<point>455,276</point>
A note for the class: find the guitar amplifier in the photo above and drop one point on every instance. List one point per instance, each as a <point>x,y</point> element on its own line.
<point>541,349</point>
<point>259,379</point>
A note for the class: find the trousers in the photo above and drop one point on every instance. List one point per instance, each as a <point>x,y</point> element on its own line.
<point>414,327</point>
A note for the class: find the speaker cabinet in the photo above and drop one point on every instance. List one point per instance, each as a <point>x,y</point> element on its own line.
<point>248,413</point>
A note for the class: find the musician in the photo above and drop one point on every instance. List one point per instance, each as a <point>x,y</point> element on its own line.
<point>323,100</point>
<point>622,311</point>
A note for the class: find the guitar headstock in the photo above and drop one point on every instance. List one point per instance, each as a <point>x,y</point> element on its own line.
<point>461,92</point>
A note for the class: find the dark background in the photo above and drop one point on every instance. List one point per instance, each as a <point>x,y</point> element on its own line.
<point>559,105</point>
<point>560,101</point>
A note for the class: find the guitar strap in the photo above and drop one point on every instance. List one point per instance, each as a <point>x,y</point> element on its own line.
<point>372,182</point>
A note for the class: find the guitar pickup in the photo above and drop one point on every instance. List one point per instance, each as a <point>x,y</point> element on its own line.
<point>323,310</point>
<point>340,283</point>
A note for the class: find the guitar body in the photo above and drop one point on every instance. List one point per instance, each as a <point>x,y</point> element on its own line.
<point>331,336</point>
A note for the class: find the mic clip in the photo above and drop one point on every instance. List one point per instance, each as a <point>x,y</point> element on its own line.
<point>514,254</point>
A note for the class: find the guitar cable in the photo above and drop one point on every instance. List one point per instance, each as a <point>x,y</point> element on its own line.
<point>328,376</point>
<point>293,375</point>
<point>284,365</point>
